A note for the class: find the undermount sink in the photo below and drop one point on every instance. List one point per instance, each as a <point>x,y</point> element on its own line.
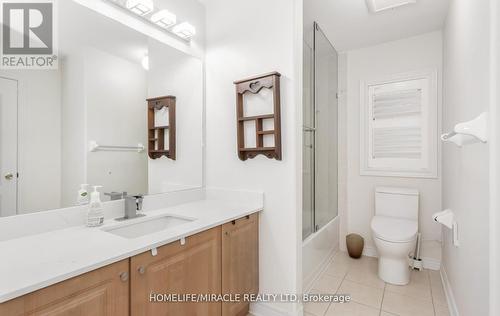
<point>146,226</point>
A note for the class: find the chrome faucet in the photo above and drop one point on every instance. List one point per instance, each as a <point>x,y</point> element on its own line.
<point>133,205</point>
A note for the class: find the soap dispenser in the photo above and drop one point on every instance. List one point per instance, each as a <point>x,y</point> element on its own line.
<point>83,195</point>
<point>95,215</point>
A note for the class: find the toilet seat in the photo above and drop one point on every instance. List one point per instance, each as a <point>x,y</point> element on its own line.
<point>396,230</point>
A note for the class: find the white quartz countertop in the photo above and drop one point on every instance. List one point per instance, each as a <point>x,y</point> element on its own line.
<point>33,262</point>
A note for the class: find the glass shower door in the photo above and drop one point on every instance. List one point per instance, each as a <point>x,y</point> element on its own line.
<point>320,134</point>
<point>326,123</point>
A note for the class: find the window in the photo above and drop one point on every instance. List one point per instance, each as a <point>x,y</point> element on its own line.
<point>399,127</point>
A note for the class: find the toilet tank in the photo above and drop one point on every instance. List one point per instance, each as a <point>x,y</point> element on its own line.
<point>396,202</point>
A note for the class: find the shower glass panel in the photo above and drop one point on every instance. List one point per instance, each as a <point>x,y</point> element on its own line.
<point>320,134</point>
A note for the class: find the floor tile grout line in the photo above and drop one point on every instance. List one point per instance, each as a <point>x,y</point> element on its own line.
<point>364,284</point>
<point>323,274</point>
<point>432,295</point>
<point>340,285</point>
<point>366,305</point>
<point>382,301</point>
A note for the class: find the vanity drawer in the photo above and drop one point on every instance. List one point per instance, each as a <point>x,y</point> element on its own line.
<point>104,291</point>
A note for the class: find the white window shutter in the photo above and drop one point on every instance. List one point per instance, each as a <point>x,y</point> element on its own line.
<point>399,126</point>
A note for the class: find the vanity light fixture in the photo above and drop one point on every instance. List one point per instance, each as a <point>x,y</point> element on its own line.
<point>184,30</point>
<point>140,7</point>
<point>161,18</point>
<point>164,18</point>
<point>375,6</point>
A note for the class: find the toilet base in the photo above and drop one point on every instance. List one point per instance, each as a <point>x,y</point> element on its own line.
<point>394,271</point>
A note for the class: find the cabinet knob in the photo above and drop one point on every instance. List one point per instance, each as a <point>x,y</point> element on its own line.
<point>226,233</point>
<point>141,270</point>
<point>124,276</point>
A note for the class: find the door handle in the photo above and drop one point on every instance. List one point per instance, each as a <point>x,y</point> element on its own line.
<point>9,176</point>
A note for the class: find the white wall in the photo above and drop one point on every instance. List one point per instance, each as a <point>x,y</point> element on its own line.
<point>412,54</point>
<point>73,138</point>
<point>343,152</point>
<point>244,39</point>
<point>115,118</point>
<point>465,170</point>
<point>175,73</point>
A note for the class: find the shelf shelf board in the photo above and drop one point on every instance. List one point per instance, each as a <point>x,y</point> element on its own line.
<point>265,132</point>
<point>159,151</point>
<point>256,117</point>
<point>258,149</point>
<point>159,127</point>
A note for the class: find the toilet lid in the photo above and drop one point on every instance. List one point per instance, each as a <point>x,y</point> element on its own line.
<point>394,229</point>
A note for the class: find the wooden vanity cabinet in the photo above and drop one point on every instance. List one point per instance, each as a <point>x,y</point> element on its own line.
<point>240,262</point>
<point>192,268</point>
<point>102,292</point>
<point>222,260</point>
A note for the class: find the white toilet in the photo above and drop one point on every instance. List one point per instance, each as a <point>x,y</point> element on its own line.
<point>394,230</point>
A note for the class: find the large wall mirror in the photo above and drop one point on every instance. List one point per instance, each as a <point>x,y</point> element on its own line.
<point>50,118</point>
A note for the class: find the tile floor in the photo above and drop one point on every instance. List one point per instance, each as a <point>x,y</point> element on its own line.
<point>423,296</point>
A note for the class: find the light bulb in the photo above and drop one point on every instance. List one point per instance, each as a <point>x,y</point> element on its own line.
<point>164,18</point>
<point>140,7</point>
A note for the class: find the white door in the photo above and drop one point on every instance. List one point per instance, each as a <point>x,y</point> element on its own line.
<point>8,146</point>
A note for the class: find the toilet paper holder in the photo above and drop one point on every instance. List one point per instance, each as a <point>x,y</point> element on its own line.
<point>447,219</point>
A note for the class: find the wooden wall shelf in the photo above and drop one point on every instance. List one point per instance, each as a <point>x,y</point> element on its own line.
<point>156,134</point>
<point>254,85</point>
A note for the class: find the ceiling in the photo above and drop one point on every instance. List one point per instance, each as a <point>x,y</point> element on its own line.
<point>349,25</point>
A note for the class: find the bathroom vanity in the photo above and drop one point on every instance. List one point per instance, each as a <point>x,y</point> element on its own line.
<point>212,249</point>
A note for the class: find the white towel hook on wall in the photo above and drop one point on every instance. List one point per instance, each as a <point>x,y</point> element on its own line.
<point>469,132</point>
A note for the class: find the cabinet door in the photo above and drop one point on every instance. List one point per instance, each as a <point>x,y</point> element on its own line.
<point>103,292</point>
<point>240,262</point>
<point>192,268</point>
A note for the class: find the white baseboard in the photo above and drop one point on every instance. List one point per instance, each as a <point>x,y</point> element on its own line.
<point>450,298</point>
<point>431,263</point>
<point>271,309</point>
<point>370,252</point>
<point>428,263</point>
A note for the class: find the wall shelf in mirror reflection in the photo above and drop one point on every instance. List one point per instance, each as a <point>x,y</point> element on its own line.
<point>162,18</point>
<point>95,146</point>
<point>264,129</point>
<point>161,127</point>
